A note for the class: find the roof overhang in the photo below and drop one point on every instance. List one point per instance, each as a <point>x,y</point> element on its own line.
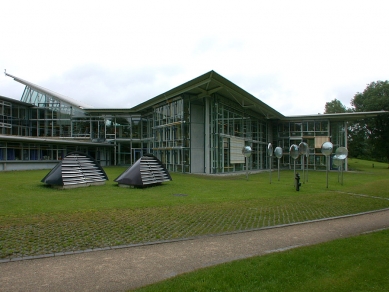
<point>52,141</point>
<point>15,101</point>
<point>337,116</point>
<point>110,111</point>
<point>207,84</point>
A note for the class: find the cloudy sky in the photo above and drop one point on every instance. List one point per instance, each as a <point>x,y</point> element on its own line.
<point>293,55</point>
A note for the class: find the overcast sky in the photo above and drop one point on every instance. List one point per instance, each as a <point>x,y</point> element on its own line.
<point>293,55</point>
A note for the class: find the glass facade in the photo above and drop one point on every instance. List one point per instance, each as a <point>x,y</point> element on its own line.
<point>232,128</point>
<point>171,134</point>
<point>312,132</point>
<point>43,128</point>
<point>193,131</point>
<point>14,118</point>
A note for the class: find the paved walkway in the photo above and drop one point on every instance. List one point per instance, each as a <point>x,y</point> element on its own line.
<point>129,268</point>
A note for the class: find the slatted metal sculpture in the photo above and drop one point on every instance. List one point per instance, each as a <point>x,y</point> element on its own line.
<point>146,171</point>
<point>76,170</point>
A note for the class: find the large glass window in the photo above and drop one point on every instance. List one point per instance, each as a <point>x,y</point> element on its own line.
<point>171,132</point>
<point>81,127</point>
<point>232,123</point>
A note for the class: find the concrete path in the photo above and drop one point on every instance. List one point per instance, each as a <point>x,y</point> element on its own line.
<point>129,268</point>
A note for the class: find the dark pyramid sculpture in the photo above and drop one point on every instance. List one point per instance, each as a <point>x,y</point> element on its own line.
<point>146,171</point>
<point>76,170</point>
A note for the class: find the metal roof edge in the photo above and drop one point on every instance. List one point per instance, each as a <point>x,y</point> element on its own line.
<point>12,100</point>
<point>52,93</point>
<point>49,140</point>
<point>338,115</point>
<point>174,91</point>
<point>205,78</point>
<point>241,91</point>
<point>111,110</point>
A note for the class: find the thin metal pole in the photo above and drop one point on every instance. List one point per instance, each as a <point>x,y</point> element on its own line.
<point>247,168</point>
<point>302,156</point>
<point>270,169</point>
<point>278,169</point>
<point>307,166</point>
<point>294,172</point>
<point>338,173</point>
<point>327,169</point>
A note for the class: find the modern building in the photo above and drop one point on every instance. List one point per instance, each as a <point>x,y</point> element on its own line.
<point>200,126</point>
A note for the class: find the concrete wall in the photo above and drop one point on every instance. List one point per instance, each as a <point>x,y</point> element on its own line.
<point>26,165</point>
<point>197,138</point>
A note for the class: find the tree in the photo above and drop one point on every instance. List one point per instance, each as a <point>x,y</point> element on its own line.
<point>357,140</point>
<point>375,97</point>
<point>358,146</point>
<point>334,106</point>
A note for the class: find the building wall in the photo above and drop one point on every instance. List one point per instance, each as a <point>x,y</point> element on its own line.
<point>197,143</point>
<point>312,132</point>
<point>231,128</point>
<point>32,136</point>
<point>23,165</point>
<point>187,133</point>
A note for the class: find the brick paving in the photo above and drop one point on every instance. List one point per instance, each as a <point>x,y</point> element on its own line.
<point>56,234</point>
<point>128,268</point>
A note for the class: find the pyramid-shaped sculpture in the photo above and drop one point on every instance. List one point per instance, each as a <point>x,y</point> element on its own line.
<point>74,171</point>
<point>146,171</point>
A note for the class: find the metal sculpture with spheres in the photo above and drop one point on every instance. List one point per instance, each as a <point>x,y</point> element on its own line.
<point>303,151</point>
<point>278,154</point>
<point>340,156</point>
<point>246,151</point>
<point>327,149</point>
<point>270,153</point>
<point>294,153</point>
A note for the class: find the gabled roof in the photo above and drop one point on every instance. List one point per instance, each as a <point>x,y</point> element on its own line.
<point>212,82</point>
<point>49,92</point>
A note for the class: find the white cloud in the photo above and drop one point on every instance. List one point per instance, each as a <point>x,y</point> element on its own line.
<point>293,55</point>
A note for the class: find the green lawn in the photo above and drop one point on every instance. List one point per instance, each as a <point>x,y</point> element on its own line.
<point>36,219</point>
<point>354,264</point>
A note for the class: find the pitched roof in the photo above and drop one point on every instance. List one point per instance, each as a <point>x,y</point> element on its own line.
<point>212,82</point>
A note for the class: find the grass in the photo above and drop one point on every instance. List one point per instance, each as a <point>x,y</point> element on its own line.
<point>354,264</point>
<point>36,219</point>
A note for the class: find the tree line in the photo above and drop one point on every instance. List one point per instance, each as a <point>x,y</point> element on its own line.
<point>368,138</point>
